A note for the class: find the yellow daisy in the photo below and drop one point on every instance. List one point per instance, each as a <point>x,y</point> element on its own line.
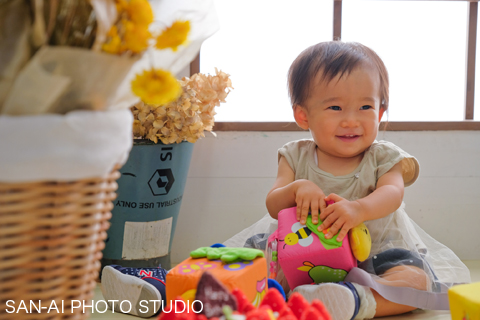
<point>156,87</point>
<point>140,12</point>
<point>136,37</point>
<point>174,36</point>
<point>113,45</point>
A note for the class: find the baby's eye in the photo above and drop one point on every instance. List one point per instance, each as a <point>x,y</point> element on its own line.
<point>336,108</point>
<point>366,107</point>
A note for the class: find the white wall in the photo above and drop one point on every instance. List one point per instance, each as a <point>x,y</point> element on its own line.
<point>231,174</point>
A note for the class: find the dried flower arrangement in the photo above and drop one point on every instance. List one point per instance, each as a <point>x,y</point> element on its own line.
<point>189,116</point>
<point>107,39</point>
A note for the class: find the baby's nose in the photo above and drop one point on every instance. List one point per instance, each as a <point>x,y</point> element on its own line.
<point>350,120</point>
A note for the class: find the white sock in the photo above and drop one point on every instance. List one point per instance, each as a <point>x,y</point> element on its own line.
<point>368,305</point>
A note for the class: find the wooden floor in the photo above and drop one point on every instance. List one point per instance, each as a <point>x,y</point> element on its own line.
<point>474,267</point>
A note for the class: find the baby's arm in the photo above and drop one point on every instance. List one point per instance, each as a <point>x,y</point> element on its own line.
<point>288,192</point>
<point>344,215</point>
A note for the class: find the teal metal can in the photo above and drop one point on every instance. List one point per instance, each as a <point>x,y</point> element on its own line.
<point>145,212</point>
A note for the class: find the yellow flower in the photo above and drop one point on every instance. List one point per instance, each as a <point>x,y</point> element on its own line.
<point>130,32</point>
<point>174,36</point>
<point>136,37</point>
<point>114,44</point>
<point>156,87</point>
<point>140,12</point>
<point>121,5</point>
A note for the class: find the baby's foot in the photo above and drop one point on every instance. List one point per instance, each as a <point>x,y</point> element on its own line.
<point>341,299</point>
<point>143,292</point>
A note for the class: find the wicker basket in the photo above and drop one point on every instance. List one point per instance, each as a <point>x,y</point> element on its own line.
<point>51,238</point>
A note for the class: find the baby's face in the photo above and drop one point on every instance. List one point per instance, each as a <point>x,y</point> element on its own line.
<point>343,115</point>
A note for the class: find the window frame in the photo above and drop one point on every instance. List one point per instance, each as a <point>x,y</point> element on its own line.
<point>467,124</point>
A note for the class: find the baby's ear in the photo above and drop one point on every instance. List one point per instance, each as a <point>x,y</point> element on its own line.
<point>380,114</point>
<point>300,115</point>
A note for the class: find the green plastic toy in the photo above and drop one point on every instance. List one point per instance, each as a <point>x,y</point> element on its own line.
<point>226,254</point>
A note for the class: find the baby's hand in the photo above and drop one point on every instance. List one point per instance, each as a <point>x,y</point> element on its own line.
<point>340,216</point>
<point>308,197</point>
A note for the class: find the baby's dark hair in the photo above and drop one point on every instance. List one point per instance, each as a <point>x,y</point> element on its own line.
<point>333,58</point>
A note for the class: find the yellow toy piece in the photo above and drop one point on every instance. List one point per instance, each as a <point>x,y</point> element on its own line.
<point>464,301</point>
<point>360,242</point>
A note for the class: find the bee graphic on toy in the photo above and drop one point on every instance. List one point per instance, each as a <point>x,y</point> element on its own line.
<point>301,234</point>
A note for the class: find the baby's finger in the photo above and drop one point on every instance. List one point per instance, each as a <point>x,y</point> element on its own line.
<point>333,197</point>
<point>336,226</point>
<point>314,212</point>
<point>325,213</point>
<point>304,212</point>
<point>299,209</point>
<point>328,218</point>
<point>303,217</point>
<point>323,205</point>
<point>342,233</point>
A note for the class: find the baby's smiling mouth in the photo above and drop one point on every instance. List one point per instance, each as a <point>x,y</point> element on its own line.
<point>348,137</point>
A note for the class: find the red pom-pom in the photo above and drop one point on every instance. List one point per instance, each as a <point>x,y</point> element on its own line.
<point>259,314</point>
<point>287,317</point>
<point>274,299</point>
<point>248,308</point>
<point>317,304</point>
<point>176,316</point>
<point>286,314</point>
<point>311,314</point>
<point>298,304</point>
<point>243,304</point>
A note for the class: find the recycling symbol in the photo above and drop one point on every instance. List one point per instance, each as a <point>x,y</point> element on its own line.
<point>161,182</point>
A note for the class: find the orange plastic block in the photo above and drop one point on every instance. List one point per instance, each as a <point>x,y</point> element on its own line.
<point>248,276</point>
<point>465,301</point>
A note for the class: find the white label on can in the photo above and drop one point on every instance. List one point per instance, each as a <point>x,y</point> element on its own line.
<point>145,240</point>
